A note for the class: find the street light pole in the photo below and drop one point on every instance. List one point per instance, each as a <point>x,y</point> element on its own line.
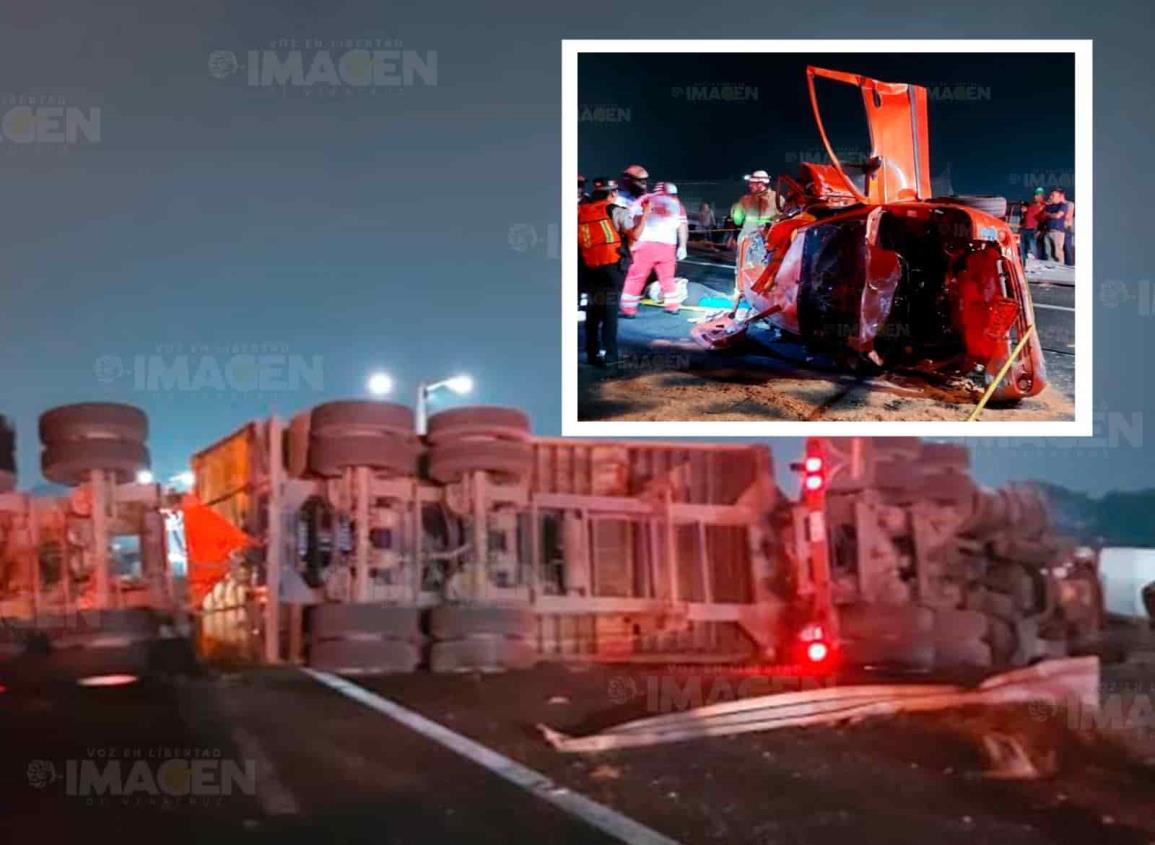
<point>457,384</point>
<point>422,407</point>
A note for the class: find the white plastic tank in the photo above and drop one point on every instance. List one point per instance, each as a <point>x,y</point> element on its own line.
<point>1124,572</point>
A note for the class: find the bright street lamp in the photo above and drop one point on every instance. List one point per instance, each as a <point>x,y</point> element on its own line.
<point>380,384</point>
<point>459,384</point>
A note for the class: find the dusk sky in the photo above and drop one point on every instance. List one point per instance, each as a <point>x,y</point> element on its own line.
<point>413,227</point>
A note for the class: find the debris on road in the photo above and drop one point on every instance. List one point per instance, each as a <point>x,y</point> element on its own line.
<point>1070,681</point>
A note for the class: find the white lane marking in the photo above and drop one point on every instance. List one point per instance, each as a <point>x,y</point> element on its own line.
<point>274,797</point>
<point>1054,307</point>
<point>621,827</point>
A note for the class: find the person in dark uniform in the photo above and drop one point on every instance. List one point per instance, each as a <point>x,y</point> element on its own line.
<point>604,233</point>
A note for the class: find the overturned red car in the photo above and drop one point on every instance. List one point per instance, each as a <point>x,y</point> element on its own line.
<point>874,269</point>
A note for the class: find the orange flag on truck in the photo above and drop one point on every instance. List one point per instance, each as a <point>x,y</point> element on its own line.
<point>210,540</point>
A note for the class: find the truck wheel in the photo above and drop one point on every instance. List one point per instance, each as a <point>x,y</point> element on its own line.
<point>952,625</point>
<point>69,461</point>
<point>454,621</point>
<point>330,456</point>
<point>884,621</point>
<point>399,622</point>
<point>945,456</point>
<point>96,420</point>
<point>479,421</point>
<point>481,653</point>
<point>910,654</point>
<point>364,657</point>
<point>896,475</point>
<point>509,460</point>
<point>948,486</point>
<point>354,417</point>
<point>964,654</point>
<point>1000,605</point>
<point>79,662</point>
<point>7,454</point>
<point>1001,638</point>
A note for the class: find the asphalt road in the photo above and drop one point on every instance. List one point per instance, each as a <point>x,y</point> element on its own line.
<point>665,376</point>
<point>328,768</point>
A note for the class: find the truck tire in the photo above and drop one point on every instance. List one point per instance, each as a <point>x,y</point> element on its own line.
<point>915,654</point>
<point>948,486</point>
<point>7,450</point>
<point>78,663</point>
<point>951,626</point>
<point>994,206</point>
<point>454,621</point>
<point>1001,638</point>
<point>964,654</point>
<point>508,460</point>
<point>479,421</point>
<point>896,475</point>
<point>481,653</point>
<point>355,416</point>
<point>945,456</point>
<point>1013,581</point>
<point>330,456</point>
<point>70,461</point>
<point>399,622</point>
<point>364,657</point>
<point>1000,605</point>
<point>95,420</point>
<point>884,621</point>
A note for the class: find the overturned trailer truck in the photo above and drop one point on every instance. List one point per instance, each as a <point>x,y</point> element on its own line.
<point>85,584</point>
<point>482,546</point>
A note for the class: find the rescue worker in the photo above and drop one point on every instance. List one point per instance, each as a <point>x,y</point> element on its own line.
<point>660,245</point>
<point>752,212</point>
<point>604,232</point>
<point>582,196</point>
<point>757,208</point>
<point>633,184</point>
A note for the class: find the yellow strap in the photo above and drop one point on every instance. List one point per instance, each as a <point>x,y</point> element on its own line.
<point>999,378</point>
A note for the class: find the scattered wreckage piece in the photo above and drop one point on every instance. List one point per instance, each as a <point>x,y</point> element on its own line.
<point>1056,683</point>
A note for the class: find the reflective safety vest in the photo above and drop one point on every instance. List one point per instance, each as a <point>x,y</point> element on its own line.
<point>598,239</point>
